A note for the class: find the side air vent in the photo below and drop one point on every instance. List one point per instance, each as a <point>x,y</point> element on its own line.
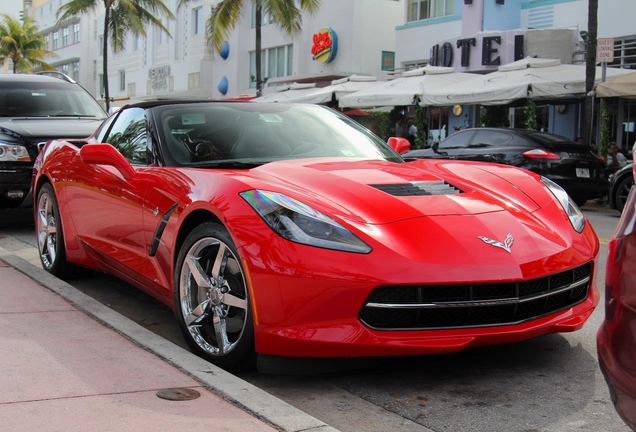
<point>418,188</point>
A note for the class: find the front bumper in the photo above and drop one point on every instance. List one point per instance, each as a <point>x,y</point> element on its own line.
<point>15,185</point>
<point>307,301</point>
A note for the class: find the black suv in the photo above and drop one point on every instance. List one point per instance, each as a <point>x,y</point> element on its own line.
<point>35,109</point>
<point>572,166</point>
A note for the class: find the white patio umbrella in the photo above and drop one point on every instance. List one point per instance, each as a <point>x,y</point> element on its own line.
<point>624,86</point>
<point>530,77</point>
<point>287,93</point>
<point>406,90</point>
<point>337,89</point>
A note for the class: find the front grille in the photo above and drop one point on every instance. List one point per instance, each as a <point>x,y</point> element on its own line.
<point>414,307</point>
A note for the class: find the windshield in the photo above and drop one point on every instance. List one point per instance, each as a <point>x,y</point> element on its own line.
<point>47,99</point>
<point>224,134</point>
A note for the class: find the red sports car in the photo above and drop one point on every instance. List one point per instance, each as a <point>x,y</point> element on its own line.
<point>290,230</point>
<point>616,339</point>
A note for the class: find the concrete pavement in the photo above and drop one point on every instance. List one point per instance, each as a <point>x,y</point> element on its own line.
<point>69,363</point>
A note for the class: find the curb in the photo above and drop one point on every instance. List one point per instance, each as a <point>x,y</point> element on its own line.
<point>240,393</point>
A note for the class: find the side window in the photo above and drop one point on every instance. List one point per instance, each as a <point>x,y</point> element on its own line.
<point>455,141</point>
<point>129,135</point>
<point>490,139</point>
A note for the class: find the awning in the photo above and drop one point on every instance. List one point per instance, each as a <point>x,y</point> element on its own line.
<point>624,86</point>
<point>338,89</point>
<point>406,90</point>
<point>287,93</point>
<point>530,77</point>
<point>321,95</point>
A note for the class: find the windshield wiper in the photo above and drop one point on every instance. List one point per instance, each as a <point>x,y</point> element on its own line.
<point>73,115</point>
<point>231,164</point>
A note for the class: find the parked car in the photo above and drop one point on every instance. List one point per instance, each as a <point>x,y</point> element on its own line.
<point>572,166</point>
<point>621,183</point>
<point>292,231</point>
<point>35,109</point>
<point>616,339</point>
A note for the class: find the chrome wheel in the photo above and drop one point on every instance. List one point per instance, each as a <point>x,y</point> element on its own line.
<point>212,297</point>
<point>46,228</point>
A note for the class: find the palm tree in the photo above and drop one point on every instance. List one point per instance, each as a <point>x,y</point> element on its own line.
<point>285,13</point>
<point>22,42</point>
<point>120,18</point>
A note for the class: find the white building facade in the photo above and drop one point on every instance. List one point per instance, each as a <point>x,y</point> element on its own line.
<point>380,38</point>
<point>180,64</point>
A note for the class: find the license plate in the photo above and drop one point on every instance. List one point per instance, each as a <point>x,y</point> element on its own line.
<point>583,172</point>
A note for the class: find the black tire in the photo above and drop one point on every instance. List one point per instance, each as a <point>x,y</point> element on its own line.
<point>50,236</point>
<point>579,201</point>
<point>621,192</point>
<point>212,300</point>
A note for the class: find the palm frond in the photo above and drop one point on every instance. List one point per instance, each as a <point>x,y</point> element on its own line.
<point>225,15</point>
<point>76,7</point>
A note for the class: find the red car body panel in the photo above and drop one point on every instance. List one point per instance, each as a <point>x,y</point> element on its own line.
<point>306,300</point>
<point>616,338</point>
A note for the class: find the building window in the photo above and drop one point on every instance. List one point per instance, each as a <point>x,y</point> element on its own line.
<point>100,46</point>
<point>65,36</point>
<point>265,18</point>
<point>624,53</point>
<point>76,33</point>
<point>252,83</point>
<point>425,9</point>
<point>56,37</point>
<point>290,60</point>
<point>122,80</point>
<point>64,69</point>
<point>276,62</point>
<point>76,71</point>
<point>197,20</point>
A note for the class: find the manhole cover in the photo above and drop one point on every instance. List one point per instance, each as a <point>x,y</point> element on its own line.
<point>178,394</point>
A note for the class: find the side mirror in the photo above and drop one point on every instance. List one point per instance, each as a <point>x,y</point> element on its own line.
<point>106,154</point>
<point>400,145</point>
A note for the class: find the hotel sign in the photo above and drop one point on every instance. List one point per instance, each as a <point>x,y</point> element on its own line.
<point>480,52</point>
<point>158,77</point>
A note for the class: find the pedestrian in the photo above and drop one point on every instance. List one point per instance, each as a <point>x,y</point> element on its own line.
<point>401,129</point>
<point>412,132</point>
<point>615,158</point>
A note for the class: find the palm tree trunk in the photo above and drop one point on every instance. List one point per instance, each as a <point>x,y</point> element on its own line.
<point>259,75</point>
<point>105,55</point>
<point>590,71</point>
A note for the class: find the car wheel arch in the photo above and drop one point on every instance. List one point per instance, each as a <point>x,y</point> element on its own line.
<point>191,221</point>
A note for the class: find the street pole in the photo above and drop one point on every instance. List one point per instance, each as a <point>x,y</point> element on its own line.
<point>600,110</point>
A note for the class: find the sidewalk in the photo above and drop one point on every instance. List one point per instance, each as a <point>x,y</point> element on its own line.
<point>70,363</point>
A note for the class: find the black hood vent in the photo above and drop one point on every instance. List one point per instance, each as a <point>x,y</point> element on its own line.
<point>418,188</point>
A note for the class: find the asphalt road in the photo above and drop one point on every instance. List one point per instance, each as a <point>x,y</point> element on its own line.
<point>549,384</point>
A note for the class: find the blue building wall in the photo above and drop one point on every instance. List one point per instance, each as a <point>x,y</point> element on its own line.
<point>501,17</point>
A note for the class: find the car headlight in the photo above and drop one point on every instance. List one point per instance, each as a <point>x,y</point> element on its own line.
<point>13,153</point>
<point>297,222</point>
<point>573,211</point>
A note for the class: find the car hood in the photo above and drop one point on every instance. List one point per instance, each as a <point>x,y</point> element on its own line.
<point>52,127</point>
<point>381,192</point>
